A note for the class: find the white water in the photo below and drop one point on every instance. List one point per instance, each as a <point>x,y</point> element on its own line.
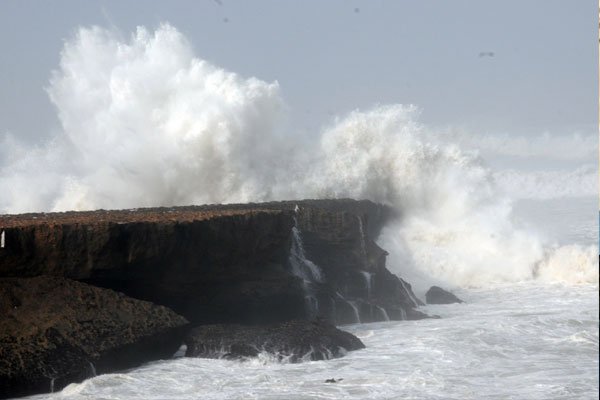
<point>525,341</point>
<point>146,123</point>
<point>92,369</point>
<point>302,266</point>
<point>363,246</point>
<point>355,309</point>
<point>410,294</point>
<point>385,315</point>
<point>368,282</point>
<point>403,314</point>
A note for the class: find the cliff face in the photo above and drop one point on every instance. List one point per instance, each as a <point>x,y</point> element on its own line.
<point>71,283</point>
<point>252,263</point>
<point>355,285</point>
<point>210,268</point>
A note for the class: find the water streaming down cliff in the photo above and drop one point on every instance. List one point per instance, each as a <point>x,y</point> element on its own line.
<point>92,369</point>
<point>368,281</point>
<point>363,245</point>
<point>332,236</point>
<point>385,315</point>
<point>162,127</point>
<point>356,312</point>
<point>412,296</point>
<point>303,268</point>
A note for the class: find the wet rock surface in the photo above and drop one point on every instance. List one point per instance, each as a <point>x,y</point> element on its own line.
<point>210,266</point>
<point>356,285</point>
<point>291,341</point>
<point>54,331</point>
<point>254,274</point>
<point>437,295</point>
<point>222,263</point>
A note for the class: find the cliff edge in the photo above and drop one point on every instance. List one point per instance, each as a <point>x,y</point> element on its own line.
<point>117,288</point>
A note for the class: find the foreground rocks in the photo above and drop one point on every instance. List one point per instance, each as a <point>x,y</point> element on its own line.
<point>437,295</point>
<point>291,341</point>
<point>54,331</point>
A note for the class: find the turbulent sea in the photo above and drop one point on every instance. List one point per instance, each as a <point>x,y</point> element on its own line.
<point>507,222</point>
<point>524,340</point>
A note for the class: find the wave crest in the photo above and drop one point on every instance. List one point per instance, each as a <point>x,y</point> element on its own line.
<point>569,264</point>
<point>146,123</point>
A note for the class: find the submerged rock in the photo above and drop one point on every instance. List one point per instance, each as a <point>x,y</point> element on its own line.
<point>54,331</point>
<point>292,341</point>
<point>437,295</point>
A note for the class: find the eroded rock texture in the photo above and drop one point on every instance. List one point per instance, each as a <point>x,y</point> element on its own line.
<point>62,274</point>
<point>355,285</point>
<point>225,266</point>
<point>223,263</point>
<point>54,331</point>
<point>249,263</point>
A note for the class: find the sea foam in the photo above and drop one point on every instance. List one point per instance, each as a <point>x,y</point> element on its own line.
<point>147,123</point>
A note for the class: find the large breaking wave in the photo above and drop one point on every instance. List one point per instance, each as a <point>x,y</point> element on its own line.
<point>146,123</point>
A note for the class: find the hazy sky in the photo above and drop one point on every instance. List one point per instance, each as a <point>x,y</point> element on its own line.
<point>487,66</point>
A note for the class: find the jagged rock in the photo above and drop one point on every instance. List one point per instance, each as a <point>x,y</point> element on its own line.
<point>221,263</point>
<point>437,295</point>
<point>209,265</point>
<point>293,341</point>
<point>54,331</point>
<point>358,286</point>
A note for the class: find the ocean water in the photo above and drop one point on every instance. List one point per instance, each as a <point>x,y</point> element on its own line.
<point>525,341</point>
<point>507,222</point>
<point>532,339</point>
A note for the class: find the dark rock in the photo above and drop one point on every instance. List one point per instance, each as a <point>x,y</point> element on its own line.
<point>437,295</point>
<point>208,265</point>
<point>357,285</point>
<point>54,331</point>
<point>293,341</point>
<point>221,263</point>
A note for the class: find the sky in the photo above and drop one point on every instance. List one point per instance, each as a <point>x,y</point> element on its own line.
<point>489,67</point>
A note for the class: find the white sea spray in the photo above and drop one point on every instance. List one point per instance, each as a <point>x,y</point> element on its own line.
<point>147,123</point>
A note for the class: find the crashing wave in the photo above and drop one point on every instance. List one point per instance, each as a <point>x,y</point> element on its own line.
<point>146,123</point>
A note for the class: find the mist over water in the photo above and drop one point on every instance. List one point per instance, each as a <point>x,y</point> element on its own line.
<point>147,123</point>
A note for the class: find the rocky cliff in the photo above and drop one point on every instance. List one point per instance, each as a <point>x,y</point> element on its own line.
<point>353,283</point>
<point>105,290</point>
<point>250,263</point>
<point>211,266</point>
